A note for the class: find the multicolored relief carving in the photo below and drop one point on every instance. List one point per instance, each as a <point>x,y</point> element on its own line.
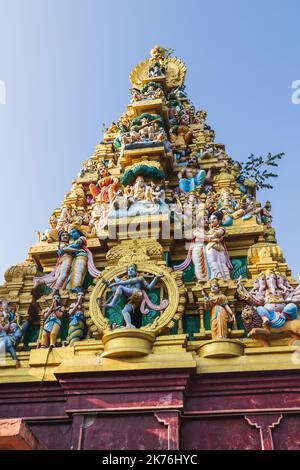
<point>271,306</point>
<point>193,247</point>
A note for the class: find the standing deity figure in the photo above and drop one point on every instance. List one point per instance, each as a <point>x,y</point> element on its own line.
<point>77,323</point>
<point>75,260</point>
<point>221,313</point>
<point>52,322</point>
<point>99,217</point>
<point>197,252</point>
<point>105,189</point>
<point>198,247</point>
<point>216,251</point>
<point>134,290</point>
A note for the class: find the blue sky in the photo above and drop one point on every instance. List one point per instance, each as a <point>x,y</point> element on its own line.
<point>66,63</point>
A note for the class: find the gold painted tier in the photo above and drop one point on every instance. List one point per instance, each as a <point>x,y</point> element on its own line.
<point>157,107</point>
<point>155,154</point>
<point>168,352</point>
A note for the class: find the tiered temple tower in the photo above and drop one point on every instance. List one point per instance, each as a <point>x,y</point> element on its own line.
<point>157,309</point>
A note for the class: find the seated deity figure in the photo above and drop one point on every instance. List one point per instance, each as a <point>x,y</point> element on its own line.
<point>216,251</point>
<point>51,234</point>
<point>227,205</point>
<point>152,91</point>
<point>138,200</point>
<point>11,332</point>
<point>134,290</point>
<point>275,312</point>
<point>66,218</point>
<point>136,95</point>
<point>178,93</point>
<point>233,210</point>
<point>180,134</point>
<point>221,313</point>
<point>99,217</point>
<point>105,189</point>
<point>272,304</point>
<point>157,70</point>
<point>74,261</point>
<point>245,208</point>
<point>264,215</point>
<point>175,108</point>
<point>52,322</point>
<point>191,179</point>
<point>208,152</point>
<point>5,343</point>
<point>144,130</point>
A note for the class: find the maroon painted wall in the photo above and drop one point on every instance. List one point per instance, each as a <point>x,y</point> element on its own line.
<point>161,410</point>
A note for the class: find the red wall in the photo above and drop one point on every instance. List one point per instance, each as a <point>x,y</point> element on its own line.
<point>161,410</point>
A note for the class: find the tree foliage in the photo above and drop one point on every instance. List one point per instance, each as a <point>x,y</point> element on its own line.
<point>258,169</point>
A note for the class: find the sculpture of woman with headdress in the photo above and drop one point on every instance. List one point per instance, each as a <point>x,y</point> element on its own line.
<point>221,313</point>
<point>216,251</point>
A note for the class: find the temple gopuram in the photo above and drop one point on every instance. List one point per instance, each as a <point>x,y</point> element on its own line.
<point>157,310</point>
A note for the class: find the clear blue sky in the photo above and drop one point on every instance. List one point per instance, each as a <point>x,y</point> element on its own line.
<point>66,65</point>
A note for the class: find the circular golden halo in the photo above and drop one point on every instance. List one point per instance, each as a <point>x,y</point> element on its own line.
<point>175,294</point>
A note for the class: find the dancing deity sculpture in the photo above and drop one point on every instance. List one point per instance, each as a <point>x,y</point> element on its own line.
<point>134,290</point>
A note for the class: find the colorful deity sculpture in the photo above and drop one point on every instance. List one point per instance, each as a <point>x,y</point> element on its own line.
<point>208,251</point>
<point>140,199</point>
<point>11,332</point>
<point>197,252</point>
<point>52,323</point>
<point>233,210</point>
<point>105,189</point>
<point>221,313</point>
<point>191,179</point>
<point>134,290</point>
<point>157,70</point>
<point>77,321</point>
<point>151,91</point>
<point>272,302</point>
<point>264,215</point>
<point>207,152</point>
<point>67,217</point>
<point>216,251</point>
<point>99,216</point>
<point>144,130</point>
<point>75,260</point>
<point>51,234</point>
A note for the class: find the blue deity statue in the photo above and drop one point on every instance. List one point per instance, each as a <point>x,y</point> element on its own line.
<point>134,290</point>
<point>75,260</point>
<point>189,181</point>
<point>11,332</point>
